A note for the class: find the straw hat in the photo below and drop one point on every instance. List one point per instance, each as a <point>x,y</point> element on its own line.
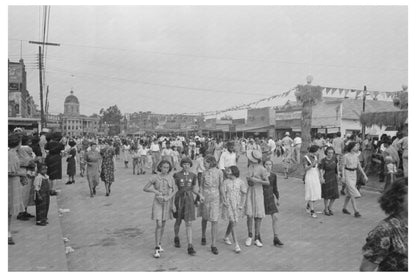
<point>254,156</point>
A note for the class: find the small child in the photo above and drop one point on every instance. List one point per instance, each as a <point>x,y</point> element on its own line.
<point>391,171</point>
<point>82,162</point>
<point>136,156</point>
<point>176,155</point>
<point>143,156</point>
<point>288,161</point>
<point>235,197</point>
<point>200,168</point>
<point>41,187</point>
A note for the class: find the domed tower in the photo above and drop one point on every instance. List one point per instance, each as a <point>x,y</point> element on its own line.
<point>71,105</point>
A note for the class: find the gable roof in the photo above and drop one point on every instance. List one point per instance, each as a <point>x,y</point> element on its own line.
<point>352,108</point>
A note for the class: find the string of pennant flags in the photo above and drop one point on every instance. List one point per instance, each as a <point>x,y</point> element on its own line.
<point>326,91</point>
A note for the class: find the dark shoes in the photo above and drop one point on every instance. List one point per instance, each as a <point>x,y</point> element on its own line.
<point>191,250</point>
<point>177,242</point>
<point>357,214</point>
<point>345,211</point>
<point>11,241</point>
<point>41,223</point>
<point>22,216</point>
<point>327,213</point>
<point>53,193</point>
<point>277,242</point>
<point>68,183</point>
<point>330,212</point>
<point>28,214</point>
<point>203,241</point>
<point>214,250</point>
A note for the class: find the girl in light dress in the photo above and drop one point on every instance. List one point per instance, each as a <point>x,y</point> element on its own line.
<point>175,155</point>
<point>163,186</point>
<point>312,180</point>
<point>233,207</point>
<point>212,190</point>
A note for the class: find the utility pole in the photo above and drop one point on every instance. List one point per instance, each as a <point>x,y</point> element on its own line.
<point>364,98</point>
<point>42,113</point>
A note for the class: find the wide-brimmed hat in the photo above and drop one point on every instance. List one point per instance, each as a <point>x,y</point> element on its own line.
<point>254,156</point>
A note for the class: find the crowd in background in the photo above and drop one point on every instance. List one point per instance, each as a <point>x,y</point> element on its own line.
<point>213,188</point>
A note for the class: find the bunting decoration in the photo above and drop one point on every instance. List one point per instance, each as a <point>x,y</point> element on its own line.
<point>357,93</point>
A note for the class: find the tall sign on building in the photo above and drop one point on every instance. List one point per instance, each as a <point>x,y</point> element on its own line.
<point>18,94</point>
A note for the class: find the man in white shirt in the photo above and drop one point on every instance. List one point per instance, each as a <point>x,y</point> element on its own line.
<point>228,158</point>
<point>287,142</point>
<point>272,145</point>
<point>297,141</point>
<point>155,152</point>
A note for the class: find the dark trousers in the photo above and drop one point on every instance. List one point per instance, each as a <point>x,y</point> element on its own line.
<point>42,207</point>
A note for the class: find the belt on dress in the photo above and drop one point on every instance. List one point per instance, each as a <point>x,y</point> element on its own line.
<point>351,169</point>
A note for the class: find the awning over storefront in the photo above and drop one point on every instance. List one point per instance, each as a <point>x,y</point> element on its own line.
<point>23,121</point>
<point>254,129</point>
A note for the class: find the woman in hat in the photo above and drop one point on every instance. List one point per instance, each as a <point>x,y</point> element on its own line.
<point>187,184</point>
<point>71,168</point>
<point>257,177</point>
<point>92,159</point>
<point>212,190</point>
<point>107,166</point>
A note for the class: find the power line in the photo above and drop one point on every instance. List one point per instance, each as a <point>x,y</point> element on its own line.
<point>181,74</point>
<point>158,84</point>
<point>238,59</point>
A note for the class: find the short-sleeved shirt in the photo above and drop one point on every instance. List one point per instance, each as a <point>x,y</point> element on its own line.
<point>185,181</point>
<point>338,144</point>
<point>386,245</point>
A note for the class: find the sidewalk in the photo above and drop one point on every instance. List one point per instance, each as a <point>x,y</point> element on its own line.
<point>38,248</point>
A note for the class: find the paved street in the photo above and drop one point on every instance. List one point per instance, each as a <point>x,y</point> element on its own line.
<point>116,233</point>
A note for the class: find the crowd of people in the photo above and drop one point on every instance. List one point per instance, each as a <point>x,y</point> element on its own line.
<point>213,188</point>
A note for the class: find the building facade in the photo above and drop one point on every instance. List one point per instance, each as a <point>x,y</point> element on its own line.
<point>148,121</point>
<point>22,110</point>
<point>330,116</point>
<point>75,124</point>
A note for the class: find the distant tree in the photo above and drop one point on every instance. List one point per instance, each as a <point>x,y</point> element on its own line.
<point>111,116</point>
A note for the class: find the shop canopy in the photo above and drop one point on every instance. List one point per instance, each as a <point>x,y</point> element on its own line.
<point>395,119</point>
<point>254,129</point>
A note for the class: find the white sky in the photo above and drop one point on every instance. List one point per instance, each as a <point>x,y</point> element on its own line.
<point>175,59</point>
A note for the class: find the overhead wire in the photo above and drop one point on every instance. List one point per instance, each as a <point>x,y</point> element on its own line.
<point>238,59</point>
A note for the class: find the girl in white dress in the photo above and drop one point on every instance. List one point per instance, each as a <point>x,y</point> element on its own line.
<point>312,180</point>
